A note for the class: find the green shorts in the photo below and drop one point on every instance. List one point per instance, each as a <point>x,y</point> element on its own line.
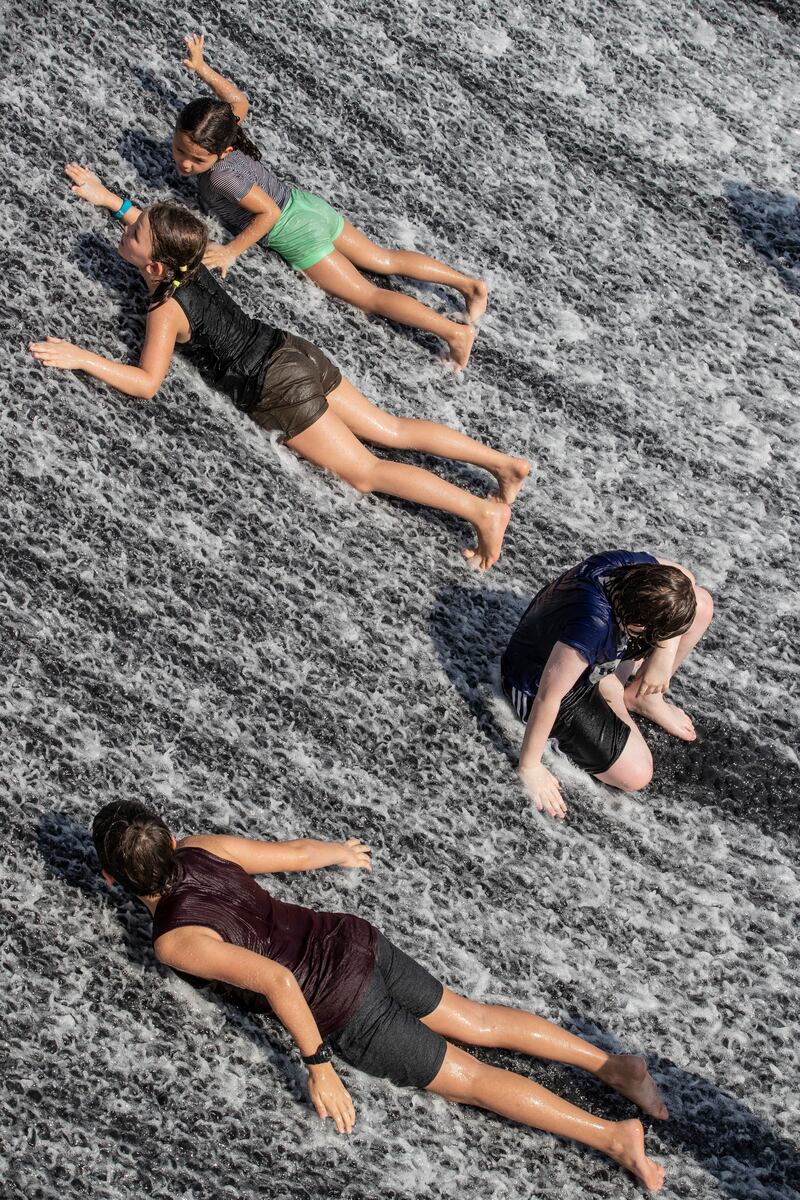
<point>306,230</point>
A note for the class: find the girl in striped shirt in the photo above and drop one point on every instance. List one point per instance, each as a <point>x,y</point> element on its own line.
<point>253,203</point>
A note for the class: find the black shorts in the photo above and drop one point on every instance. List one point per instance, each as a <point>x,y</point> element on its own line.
<point>385,1036</point>
<point>587,729</point>
<point>298,379</point>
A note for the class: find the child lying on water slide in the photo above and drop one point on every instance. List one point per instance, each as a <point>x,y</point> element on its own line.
<point>341,988</point>
<point>281,381</point>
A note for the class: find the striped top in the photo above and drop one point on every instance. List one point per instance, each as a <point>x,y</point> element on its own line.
<point>230,179</point>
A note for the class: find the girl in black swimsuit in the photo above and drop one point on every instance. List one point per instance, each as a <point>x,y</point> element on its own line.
<point>283,382</point>
<point>341,988</point>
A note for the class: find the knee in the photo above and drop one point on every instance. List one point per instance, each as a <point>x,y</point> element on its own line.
<point>635,775</point>
<point>705,606</point>
<point>462,1084</point>
<point>369,299</point>
<point>362,479</point>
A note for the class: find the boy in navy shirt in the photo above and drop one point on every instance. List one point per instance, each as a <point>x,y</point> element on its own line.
<point>597,644</point>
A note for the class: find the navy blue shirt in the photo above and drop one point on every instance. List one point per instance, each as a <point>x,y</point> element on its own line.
<point>576,610</point>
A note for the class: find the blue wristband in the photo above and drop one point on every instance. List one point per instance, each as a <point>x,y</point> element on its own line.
<point>123,208</point>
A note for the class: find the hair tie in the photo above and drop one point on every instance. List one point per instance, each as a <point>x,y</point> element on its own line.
<point>177,282</point>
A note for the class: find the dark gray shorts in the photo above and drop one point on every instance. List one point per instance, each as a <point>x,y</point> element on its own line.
<point>587,729</point>
<point>385,1036</point>
<point>298,379</point>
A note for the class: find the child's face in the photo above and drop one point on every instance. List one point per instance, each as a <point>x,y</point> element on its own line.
<point>136,246</point>
<point>191,159</point>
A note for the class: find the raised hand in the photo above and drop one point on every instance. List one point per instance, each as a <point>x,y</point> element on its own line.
<point>330,1097</point>
<point>55,352</point>
<point>218,258</point>
<point>87,185</point>
<point>355,854</point>
<point>195,43</point>
<point>544,790</point>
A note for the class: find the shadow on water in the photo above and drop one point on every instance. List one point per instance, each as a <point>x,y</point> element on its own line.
<point>770,222</point>
<point>159,87</point>
<point>68,852</point>
<point>98,260</point>
<point>727,768</point>
<point>715,1129</point>
<point>151,158</point>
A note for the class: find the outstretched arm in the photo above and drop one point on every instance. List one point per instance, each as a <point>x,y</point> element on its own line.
<point>89,187</point>
<point>221,87</point>
<point>264,858</point>
<point>200,951</point>
<point>142,381</point>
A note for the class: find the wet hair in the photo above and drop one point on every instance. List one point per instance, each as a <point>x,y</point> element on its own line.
<point>213,126</point>
<point>660,598</point>
<point>135,846</point>
<point>179,242</point>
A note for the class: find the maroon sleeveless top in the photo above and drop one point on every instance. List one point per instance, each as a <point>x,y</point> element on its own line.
<point>331,955</point>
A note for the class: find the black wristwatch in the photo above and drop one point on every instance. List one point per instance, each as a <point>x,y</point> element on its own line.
<point>323,1054</point>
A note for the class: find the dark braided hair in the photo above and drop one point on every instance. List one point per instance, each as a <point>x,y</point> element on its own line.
<point>660,598</point>
<point>135,846</point>
<point>213,125</point>
<point>179,242</point>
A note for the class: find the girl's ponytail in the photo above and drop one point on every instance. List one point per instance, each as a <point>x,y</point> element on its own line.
<point>179,242</point>
<point>242,142</point>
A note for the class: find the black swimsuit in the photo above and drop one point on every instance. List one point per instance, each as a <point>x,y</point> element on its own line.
<point>280,380</point>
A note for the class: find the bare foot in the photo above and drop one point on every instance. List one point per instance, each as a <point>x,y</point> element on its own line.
<point>510,478</point>
<point>490,527</point>
<point>628,1075</point>
<point>661,712</point>
<point>627,1148</point>
<point>460,343</point>
<point>477,298</point>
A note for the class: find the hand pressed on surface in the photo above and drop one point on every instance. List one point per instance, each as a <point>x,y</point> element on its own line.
<point>544,790</point>
<point>87,185</point>
<point>195,43</point>
<point>355,854</point>
<point>218,258</point>
<point>55,352</point>
<point>330,1097</point>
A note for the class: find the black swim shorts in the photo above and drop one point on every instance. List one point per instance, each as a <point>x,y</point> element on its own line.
<point>297,380</point>
<point>587,729</point>
<point>385,1036</point>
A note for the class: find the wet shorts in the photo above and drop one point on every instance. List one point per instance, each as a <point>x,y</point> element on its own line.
<point>587,729</point>
<point>306,230</point>
<point>298,379</point>
<point>385,1036</point>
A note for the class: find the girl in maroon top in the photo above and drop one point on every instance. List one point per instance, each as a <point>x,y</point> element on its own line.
<point>340,987</point>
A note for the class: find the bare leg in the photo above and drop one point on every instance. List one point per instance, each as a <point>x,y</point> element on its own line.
<point>513,1029</point>
<point>655,708</point>
<point>337,276</point>
<point>329,443</point>
<point>370,424</point>
<point>367,255</point>
<point>464,1080</point>
<point>633,770</point>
